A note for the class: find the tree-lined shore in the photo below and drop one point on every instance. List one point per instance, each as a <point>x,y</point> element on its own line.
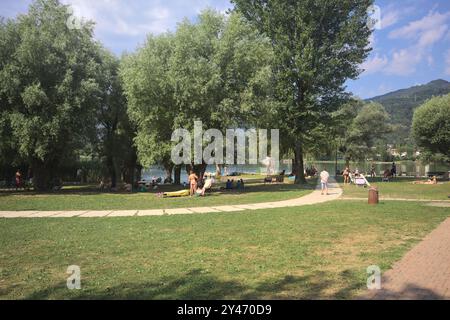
<point>69,104</point>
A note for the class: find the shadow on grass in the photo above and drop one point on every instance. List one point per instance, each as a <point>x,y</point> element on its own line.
<point>409,292</point>
<point>198,285</point>
<point>91,190</point>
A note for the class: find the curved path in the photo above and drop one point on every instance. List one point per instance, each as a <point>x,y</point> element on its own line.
<point>313,198</point>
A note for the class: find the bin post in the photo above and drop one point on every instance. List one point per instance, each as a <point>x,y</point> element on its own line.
<point>373,195</point>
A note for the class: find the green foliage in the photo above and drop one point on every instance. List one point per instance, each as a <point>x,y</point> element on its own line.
<point>431,126</point>
<point>216,70</point>
<point>401,105</point>
<point>115,133</point>
<point>361,126</point>
<point>318,45</point>
<point>48,90</point>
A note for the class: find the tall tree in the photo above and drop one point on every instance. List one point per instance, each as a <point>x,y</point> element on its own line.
<point>221,72</point>
<point>318,45</point>
<point>151,102</point>
<point>48,89</point>
<point>365,126</point>
<point>431,126</point>
<point>115,132</point>
<point>216,70</point>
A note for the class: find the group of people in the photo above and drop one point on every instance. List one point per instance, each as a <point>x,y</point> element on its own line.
<point>198,186</point>
<point>388,173</point>
<point>231,185</point>
<point>311,172</point>
<point>347,173</point>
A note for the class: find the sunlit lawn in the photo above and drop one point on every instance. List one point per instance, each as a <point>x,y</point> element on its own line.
<point>401,188</point>
<point>85,198</point>
<point>319,251</point>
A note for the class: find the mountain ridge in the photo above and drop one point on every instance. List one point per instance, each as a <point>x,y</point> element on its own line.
<point>400,105</point>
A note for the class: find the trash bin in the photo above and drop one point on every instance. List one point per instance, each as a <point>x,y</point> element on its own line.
<point>373,195</point>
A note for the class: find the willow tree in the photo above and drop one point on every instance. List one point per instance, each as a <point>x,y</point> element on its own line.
<point>216,70</point>
<point>318,46</point>
<point>48,90</point>
<point>431,127</point>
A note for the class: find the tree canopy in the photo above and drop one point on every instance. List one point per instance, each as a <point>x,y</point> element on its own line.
<point>318,45</point>
<point>431,126</point>
<point>216,70</point>
<point>48,88</point>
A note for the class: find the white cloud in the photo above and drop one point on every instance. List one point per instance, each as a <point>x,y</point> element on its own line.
<point>390,18</point>
<point>425,31</point>
<point>404,62</point>
<point>374,64</point>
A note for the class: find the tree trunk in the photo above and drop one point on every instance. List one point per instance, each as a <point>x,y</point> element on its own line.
<point>218,170</point>
<point>177,175</point>
<point>111,171</point>
<point>199,170</point>
<point>298,166</point>
<point>43,176</point>
<point>138,172</point>
<point>168,168</point>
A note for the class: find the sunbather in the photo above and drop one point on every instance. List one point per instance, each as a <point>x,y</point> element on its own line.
<point>207,185</point>
<point>429,181</point>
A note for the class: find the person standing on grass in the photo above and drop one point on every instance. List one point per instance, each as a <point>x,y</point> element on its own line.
<point>394,170</point>
<point>18,179</point>
<point>346,175</point>
<point>193,178</point>
<point>324,175</point>
<point>372,171</point>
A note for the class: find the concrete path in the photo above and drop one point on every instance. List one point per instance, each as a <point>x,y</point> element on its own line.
<point>423,273</point>
<point>313,198</point>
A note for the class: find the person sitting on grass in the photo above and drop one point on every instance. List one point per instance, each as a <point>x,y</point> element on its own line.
<point>206,186</point>
<point>240,184</point>
<point>387,175</point>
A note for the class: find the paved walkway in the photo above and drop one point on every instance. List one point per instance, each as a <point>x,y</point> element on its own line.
<point>313,198</point>
<point>423,273</point>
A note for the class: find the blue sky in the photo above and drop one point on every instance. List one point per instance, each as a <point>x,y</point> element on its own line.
<point>410,47</point>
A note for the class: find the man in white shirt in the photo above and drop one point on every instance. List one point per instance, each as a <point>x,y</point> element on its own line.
<point>324,175</point>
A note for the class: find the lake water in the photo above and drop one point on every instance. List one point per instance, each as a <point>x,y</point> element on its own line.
<point>414,168</point>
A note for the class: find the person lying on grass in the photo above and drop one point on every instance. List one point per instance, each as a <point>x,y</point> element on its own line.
<point>429,181</point>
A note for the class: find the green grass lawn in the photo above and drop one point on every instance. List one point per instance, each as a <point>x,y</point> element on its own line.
<point>401,188</point>
<point>85,198</point>
<point>319,251</point>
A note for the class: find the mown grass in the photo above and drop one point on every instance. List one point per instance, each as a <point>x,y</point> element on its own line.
<point>401,188</point>
<point>319,251</point>
<point>83,198</point>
